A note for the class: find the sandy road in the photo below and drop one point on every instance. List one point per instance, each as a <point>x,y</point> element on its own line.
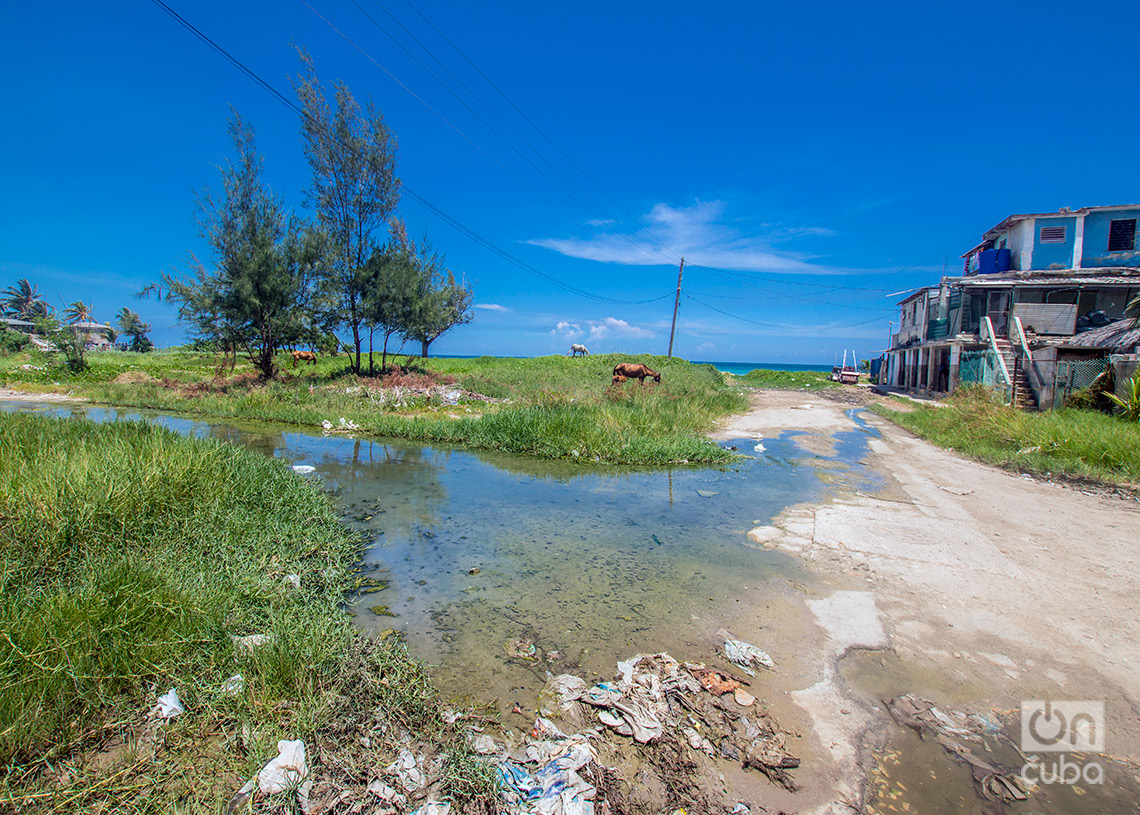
<point>985,588</point>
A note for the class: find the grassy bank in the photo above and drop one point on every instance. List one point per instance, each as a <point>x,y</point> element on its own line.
<point>789,380</point>
<point>551,407</point>
<point>1075,443</point>
<point>130,557</point>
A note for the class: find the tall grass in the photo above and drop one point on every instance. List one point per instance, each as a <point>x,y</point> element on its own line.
<point>1076,443</point>
<point>789,380</point>
<point>551,407</point>
<point>129,558</point>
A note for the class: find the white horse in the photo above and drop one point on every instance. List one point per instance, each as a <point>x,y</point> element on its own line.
<point>577,349</point>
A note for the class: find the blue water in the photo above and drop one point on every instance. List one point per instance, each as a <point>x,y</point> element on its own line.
<point>741,368</point>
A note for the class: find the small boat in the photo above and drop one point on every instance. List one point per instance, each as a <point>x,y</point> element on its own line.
<point>847,374</point>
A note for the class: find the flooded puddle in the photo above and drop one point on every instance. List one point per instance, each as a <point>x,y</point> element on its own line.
<point>504,568</point>
<point>500,569</point>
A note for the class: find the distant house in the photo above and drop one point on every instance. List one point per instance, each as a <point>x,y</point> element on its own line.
<point>1016,317</point>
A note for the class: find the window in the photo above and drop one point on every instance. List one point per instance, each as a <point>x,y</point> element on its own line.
<point>1052,234</point>
<point>1122,235</point>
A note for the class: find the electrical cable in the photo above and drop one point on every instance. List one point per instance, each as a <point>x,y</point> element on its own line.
<point>498,250</point>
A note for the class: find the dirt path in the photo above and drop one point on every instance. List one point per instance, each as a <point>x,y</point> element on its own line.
<point>975,587</point>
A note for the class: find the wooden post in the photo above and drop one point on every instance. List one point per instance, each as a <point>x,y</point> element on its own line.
<point>676,302</point>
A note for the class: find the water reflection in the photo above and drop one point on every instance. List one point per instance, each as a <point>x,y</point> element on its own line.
<point>588,564</point>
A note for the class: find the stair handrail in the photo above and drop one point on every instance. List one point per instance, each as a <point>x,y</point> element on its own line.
<point>989,333</point>
<point>1035,380</point>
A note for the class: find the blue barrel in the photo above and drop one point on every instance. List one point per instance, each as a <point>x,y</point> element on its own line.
<point>987,261</point>
<point>1003,258</point>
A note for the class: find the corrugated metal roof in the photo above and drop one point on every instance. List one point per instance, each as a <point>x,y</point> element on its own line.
<point>1108,275</point>
<point>1121,335</point>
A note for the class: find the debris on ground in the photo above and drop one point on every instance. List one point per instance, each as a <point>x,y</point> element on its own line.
<point>953,729</point>
<point>287,772</point>
<point>744,655</point>
<point>304,469</point>
<point>169,705</point>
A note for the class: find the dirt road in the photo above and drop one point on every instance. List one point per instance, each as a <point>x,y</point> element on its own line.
<point>970,586</point>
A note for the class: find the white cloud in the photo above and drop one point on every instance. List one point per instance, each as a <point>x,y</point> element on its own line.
<point>700,234</point>
<point>571,331</point>
<point>609,328</point>
<point>491,307</point>
<point>613,327</point>
<point>706,346</point>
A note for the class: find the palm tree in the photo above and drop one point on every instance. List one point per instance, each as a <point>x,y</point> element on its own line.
<point>79,312</point>
<point>24,302</point>
<point>1133,310</point>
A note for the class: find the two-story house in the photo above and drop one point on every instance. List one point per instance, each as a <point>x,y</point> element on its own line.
<point>1027,292</point>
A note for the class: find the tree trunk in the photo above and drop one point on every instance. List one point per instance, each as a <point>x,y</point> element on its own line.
<point>424,348</point>
<point>371,369</point>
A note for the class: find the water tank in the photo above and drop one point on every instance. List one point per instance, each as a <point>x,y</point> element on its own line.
<point>1003,258</point>
<point>987,261</point>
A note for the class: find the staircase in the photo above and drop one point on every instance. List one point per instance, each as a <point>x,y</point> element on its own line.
<point>1023,396</point>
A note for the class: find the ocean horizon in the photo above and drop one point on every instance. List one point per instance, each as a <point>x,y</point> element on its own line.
<point>738,368</point>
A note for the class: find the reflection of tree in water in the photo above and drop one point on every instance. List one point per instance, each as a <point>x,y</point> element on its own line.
<point>268,444</point>
<point>403,482</point>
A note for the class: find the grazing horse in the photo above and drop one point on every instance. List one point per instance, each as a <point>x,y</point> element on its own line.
<point>577,349</point>
<point>635,370</point>
<point>304,356</point>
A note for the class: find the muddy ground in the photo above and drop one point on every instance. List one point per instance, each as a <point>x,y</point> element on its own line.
<point>973,587</point>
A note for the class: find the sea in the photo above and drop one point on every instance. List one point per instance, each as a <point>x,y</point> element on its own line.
<point>738,368</point>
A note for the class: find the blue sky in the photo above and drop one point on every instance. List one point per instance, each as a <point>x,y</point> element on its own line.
<point>807,160</point>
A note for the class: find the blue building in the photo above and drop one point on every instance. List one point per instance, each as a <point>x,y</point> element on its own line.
<point>1013,319</point>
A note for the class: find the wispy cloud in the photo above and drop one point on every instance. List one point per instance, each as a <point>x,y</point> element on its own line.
<point>491,307</point>
<point>703,235</point>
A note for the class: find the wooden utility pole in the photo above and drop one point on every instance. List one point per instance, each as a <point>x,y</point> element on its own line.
<point>676,302</point>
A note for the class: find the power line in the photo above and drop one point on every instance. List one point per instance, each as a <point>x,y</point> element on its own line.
<point>482,121</point>
<point>498,250</point>
<point>528,120</point>
<point>772,325</point>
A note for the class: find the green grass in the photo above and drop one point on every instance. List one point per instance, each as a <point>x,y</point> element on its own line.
<point>789,380</point>
<point>129,557</point>
<point>1074,443</point>
<point>551,407</point>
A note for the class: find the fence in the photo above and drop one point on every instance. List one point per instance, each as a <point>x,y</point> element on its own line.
<point>1074,375</point>
<point>981,368</point>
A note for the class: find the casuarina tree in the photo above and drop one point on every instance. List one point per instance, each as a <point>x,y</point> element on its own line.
<point>354,191</point>
<point>256,296</point>
<point>132,326</point>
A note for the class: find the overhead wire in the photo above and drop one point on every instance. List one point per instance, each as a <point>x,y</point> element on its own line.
<point>593,215</point>
<point>529,121</point>
<point>454,222</point>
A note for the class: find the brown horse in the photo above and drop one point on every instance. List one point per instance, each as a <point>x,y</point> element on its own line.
<point>304,356</point>
<point>635,370</point>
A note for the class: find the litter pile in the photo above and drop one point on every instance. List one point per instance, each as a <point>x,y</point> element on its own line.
<point>953,729</point>
<point>648,740</point>
<point>674,709</point>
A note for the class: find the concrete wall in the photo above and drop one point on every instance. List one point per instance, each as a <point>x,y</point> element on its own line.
<point>1125,366</point>
<point>1019,241</point>
<point>1095,245</point>
<point>1058,254</point>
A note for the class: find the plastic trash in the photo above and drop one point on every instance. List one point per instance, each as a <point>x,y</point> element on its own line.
<point>304,469</point>
<point>285,772</point>
<point>348,424</point>
<point>387,794</point>
<point>560,693</point>
<point>293,580</point>
<point>407,770</point>
<point>234,685</point>
<point>327,425</point>
<point>706,493</point>
<point>743,697</point>
<point>433,808</point>
<point>169,705</point>
<point>484,745</point>
<point>747,656</point>
<point>248,644</point>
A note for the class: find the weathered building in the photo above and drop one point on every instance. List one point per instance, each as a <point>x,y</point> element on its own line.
<point>1032,286</point>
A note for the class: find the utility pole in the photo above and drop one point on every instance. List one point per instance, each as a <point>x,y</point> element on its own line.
<point>676,302</point>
